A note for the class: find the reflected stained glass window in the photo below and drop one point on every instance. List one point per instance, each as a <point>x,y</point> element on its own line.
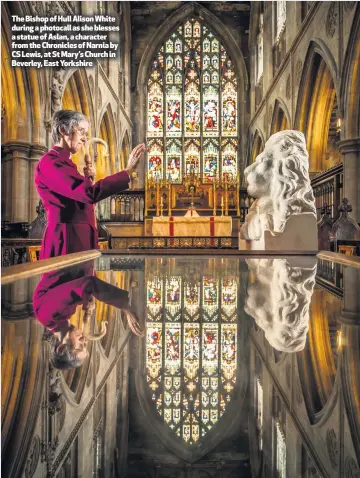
<point>280,451</point>
<point>259,411</point>
<point>191,354</point>
<point>192,106</point>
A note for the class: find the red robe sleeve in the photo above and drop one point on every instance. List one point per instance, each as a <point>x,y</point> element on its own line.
<point>60,176</point>
<point>53,307</point>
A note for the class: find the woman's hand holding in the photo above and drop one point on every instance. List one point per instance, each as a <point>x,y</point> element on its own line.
<point>89,172</point>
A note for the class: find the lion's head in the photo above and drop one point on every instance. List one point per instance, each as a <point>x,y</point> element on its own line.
<point>279,180</point>
<point>278,298</point>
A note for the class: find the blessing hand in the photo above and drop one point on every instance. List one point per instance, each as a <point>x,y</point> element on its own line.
<point>135,156</point>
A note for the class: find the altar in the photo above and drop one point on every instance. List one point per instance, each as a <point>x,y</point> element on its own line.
<point>200,226</point>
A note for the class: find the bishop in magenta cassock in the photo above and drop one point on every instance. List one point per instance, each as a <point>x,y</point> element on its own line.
<point>55,300</point>
<point>69,197</point>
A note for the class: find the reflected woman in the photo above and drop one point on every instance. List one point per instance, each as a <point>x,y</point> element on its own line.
<point>69,197</point>
<point>55,300</point>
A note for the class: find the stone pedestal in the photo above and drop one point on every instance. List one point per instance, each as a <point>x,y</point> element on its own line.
<point>300,234</point>
<point>350,149</point>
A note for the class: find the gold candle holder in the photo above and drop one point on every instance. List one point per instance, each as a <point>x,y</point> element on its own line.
<point>146,195</point>
<point>161,206</point>
<point>238,195</point>
<point>169,199</point>
<point>157,199</point>
<point>214,197</point>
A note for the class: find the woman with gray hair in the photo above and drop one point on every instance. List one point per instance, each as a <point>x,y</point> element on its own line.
<point>69,197</point>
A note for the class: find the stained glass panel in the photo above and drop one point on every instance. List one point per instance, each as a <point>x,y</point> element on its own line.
<point>155,158</point>
<point>191,360</point>
<point>211,158</point>
<point>192,93</point>
<point>229,153</point>
<point>173,160</point>
<point>173,121</point>
<point>192,156</point>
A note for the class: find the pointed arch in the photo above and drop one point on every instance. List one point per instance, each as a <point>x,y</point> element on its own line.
<point>124,151</point>
<point>317,106</point>
<point>194,10</point>
<point>257,145</point>
<point>350,82</point>
<point>107,132</point>
<point>232,417</point>
<point>318,362</point>
<point>281,117</point>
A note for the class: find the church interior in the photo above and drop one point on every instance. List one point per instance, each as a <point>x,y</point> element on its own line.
<point>237,365</point>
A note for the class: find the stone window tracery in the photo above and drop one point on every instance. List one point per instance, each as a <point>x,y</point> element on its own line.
<point>192,106</point>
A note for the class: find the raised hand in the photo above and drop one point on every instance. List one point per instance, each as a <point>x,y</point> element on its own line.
<point>135,156</point>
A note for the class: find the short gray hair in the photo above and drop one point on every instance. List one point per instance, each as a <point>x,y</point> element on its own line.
<point>64,121</point>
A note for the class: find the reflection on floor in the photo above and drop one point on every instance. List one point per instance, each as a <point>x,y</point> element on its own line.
<point>204,392</point>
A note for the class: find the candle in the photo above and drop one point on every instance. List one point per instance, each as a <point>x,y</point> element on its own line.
<point>222,201</point>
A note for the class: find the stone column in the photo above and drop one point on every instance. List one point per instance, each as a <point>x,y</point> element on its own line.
<point>350,149</point>
<point>36,152</point>
<point>17,152</point>
<point>6,172</point>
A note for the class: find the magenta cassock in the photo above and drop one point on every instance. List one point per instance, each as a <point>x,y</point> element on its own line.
<point>69,199</point>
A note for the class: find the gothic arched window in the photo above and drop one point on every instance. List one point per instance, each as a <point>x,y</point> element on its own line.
<point>191,351</point>
<point>260,49</point>
<point>192,106</point>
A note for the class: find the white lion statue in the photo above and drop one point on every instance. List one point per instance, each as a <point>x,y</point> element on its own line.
<point>278,298</point>
<point>279,181</point>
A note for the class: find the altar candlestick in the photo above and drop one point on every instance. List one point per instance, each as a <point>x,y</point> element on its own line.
<point>214,198</point>
<point>169,206</point>
<point>161,205</point>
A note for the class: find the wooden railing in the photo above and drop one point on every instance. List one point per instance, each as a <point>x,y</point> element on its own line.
<point>128,206</point>
<point>151,243</point>
<point>328,188</point>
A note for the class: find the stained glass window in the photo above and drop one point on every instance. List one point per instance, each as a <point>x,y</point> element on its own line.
<point>280,17</point>
<point>192,106</point>
<point>191,351</point>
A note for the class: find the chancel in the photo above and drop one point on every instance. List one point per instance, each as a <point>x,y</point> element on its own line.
<point>213,331</point>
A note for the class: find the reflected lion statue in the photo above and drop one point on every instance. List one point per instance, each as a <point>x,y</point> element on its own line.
<point>279,181</point>
<point>278,298</point>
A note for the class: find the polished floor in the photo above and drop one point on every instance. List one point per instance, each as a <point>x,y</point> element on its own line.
<point>183,367</point>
